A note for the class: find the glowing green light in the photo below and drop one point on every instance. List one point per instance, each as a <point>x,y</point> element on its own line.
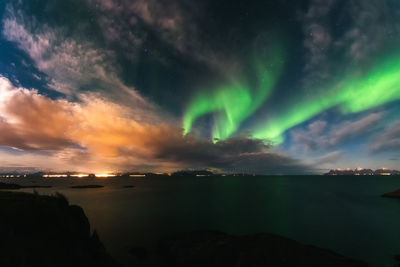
<point>354,93</point>
<point>232,104</point>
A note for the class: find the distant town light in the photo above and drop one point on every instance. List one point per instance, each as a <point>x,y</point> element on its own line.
<point>105,175</point>
<point>55,176</point>
<point>80,175</point>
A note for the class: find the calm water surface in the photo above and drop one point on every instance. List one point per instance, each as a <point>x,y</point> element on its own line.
<point>345,214</point>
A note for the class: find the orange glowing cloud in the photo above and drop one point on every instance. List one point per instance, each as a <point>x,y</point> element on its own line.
<point>30,121</point>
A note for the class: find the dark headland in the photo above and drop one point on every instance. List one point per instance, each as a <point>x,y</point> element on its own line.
<point>395,194</point>
<point>46,231</point>
<point>10,186</point>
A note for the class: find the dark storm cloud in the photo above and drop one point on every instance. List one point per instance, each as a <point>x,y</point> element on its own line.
<point>236,154</point>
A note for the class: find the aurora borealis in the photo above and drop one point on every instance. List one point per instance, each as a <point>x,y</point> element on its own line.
<point>222,85</point>
<point>351,94</point>
<point>233,103</point>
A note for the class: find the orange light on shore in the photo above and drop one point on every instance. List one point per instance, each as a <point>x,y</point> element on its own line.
<point>55,176</point>
<point>80,175</point>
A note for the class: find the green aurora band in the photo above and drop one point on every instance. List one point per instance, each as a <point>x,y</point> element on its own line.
<point>354,93</point>
<point>232,104</point>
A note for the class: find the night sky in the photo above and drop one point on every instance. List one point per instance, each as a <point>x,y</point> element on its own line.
<point>233,86</point>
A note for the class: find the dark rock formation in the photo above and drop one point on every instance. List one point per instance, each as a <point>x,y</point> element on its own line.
<point>86,186</point>
<point>216,249</point>
<point>395,194</point>
<point>46,231</point>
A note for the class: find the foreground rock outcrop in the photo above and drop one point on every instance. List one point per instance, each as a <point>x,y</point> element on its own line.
<point>45,231</point>
<point>395,194</point>
<point>216,249</point>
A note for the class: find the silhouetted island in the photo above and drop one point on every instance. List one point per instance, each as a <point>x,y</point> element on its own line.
<point>38,230</point>
<point>217,249</point>
<point>395,194</point>
<point>86,186</point>
<point>10,186</point>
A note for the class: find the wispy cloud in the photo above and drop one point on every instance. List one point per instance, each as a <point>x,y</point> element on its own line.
<point>128,23</point>
<point>388,140</point>
<point>354,38</point>
<point>371,28</point>
<point>330,158</point>
<point>317,40</point>
<point>318,137</point>
<point>71,64</point>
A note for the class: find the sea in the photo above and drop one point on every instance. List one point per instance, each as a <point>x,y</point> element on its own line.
<point>343,213</point>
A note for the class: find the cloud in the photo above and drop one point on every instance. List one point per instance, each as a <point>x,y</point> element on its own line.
<point>339,35</point>
<point>388,141</point>
<point>128,23</point>
<point>330,158</point>
<point>163,29</point>
<point>371,28</point>
<point>96,132</point>
<point>317,39</point>
<point>31,121</point>
<point>18,169</point>
<point>316,138</point>
<point>72,65</point>
<point>352,129</point>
